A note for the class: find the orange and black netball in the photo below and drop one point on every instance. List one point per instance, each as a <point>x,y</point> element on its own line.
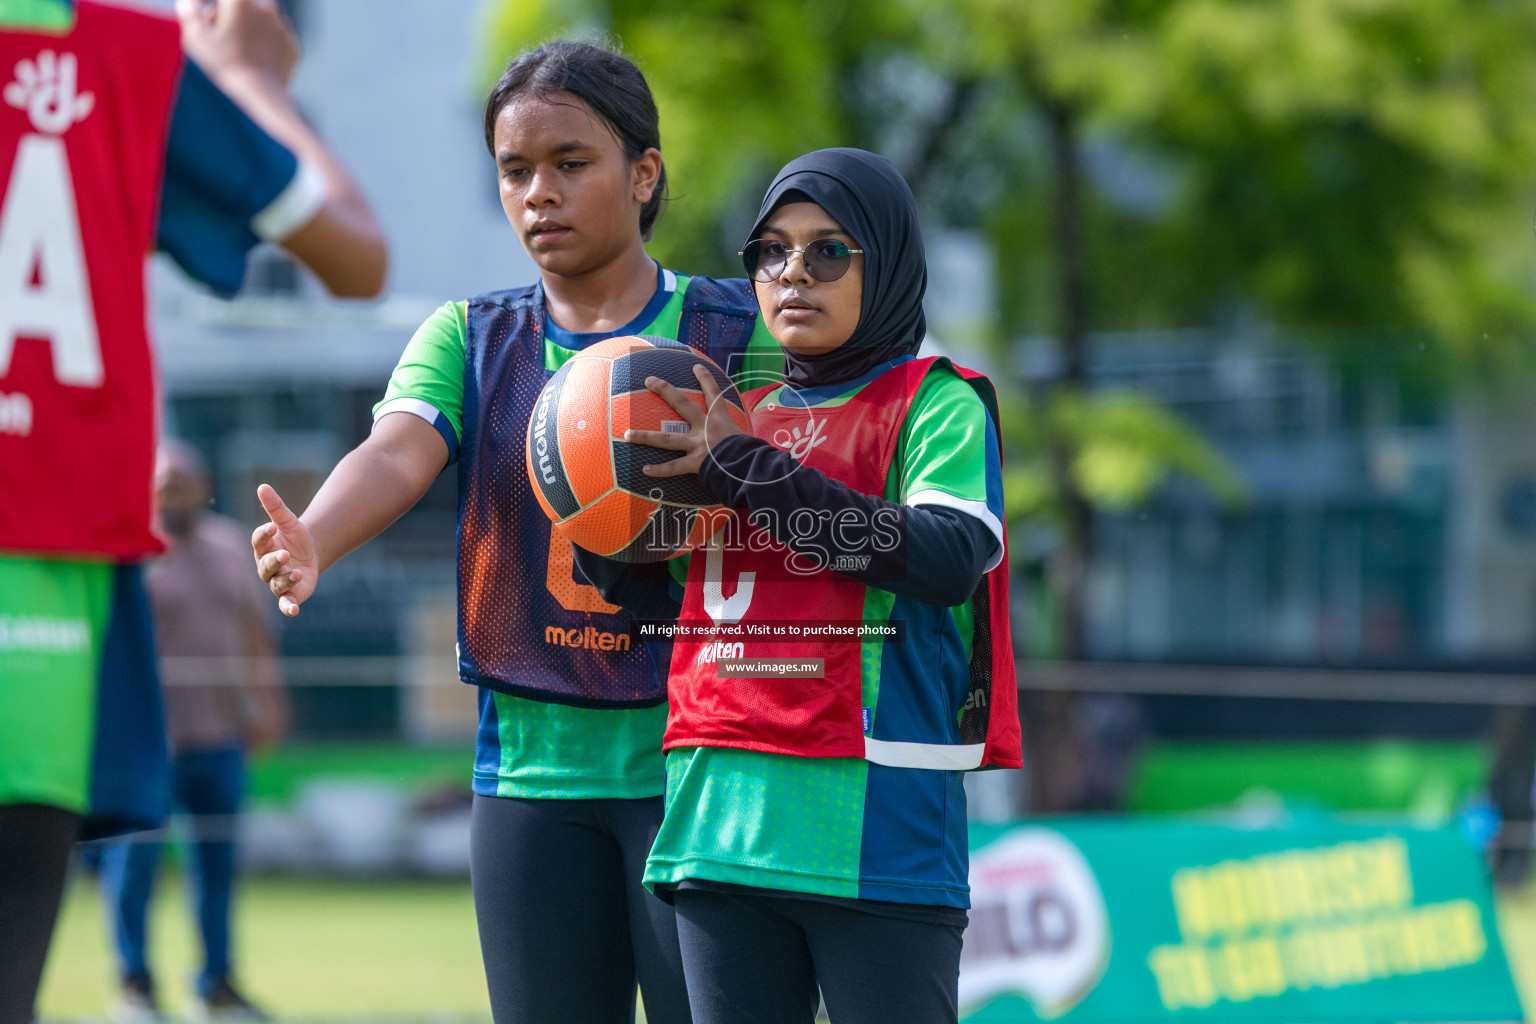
<point>589,480</point>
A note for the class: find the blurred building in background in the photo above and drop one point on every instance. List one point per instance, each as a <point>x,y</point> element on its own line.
<point>1390,529</point>
<point>1385,528</point>
<point>1341,554</point>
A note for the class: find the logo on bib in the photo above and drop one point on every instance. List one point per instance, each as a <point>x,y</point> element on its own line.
<point>590,637</point>
<point>799,443</point>
<point>48,90</point>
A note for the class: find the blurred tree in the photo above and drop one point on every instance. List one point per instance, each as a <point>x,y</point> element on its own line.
<point>1320,163</point>
<point>1325,163</point>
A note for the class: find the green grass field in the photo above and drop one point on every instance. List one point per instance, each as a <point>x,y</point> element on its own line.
<point>311,949</point>
<point>395,951</point>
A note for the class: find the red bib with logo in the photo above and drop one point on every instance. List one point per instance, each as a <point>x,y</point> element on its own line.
<point>745,578</point>
<point>83,126</point>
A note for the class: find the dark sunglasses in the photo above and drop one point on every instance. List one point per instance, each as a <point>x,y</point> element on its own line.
<point>826,259</point>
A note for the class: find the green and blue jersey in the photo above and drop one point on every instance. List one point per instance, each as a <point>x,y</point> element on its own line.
<point>848,827</point>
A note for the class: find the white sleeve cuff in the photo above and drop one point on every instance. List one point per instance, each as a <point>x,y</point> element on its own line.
<point>414,406</point>
<point>293,207</point>
<point>978,509</point>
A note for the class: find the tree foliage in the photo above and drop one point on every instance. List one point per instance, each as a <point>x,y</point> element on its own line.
<point>1122,447</point>
<point>1324,163</point>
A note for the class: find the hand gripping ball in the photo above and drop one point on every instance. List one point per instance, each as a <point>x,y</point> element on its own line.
<point>588,478</point>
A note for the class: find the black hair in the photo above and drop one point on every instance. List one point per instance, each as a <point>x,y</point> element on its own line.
<point>603,79</point>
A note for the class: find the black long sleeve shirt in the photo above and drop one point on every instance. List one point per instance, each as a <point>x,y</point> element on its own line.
<point>931,553</point>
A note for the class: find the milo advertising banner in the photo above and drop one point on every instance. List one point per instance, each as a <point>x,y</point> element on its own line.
<point>1120,920</point>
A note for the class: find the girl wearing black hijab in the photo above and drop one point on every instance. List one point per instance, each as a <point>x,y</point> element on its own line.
<point>840,639</point>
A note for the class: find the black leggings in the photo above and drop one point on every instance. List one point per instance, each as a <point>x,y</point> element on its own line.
<point>754,959</point>
<point>34,858</point>
<point>565,926</point>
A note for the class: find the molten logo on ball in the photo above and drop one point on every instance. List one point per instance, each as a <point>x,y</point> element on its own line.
<point>540,428</point>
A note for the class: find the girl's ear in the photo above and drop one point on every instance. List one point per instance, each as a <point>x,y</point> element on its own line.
<point>646,172</point>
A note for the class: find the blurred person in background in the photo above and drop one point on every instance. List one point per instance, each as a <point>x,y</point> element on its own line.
<point>223,699</point>
<point>121,131</point>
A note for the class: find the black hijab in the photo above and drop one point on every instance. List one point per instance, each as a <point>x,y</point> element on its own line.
<point>870,200</point>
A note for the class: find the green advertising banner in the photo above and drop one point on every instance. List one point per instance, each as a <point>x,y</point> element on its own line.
<point>1323,921</point>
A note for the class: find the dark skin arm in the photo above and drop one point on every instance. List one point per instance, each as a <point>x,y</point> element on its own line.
<point>248,49</point>
<point>377,483</point>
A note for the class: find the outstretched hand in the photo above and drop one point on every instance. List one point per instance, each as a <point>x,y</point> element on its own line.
<point>705,429</point>
<point>286,558</point>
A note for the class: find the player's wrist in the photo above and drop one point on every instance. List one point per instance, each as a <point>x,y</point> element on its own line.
<point>323,560</point>
<point>252,86</point>
<point>723,473</point>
